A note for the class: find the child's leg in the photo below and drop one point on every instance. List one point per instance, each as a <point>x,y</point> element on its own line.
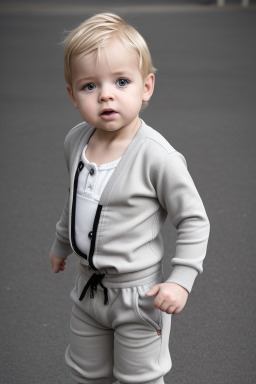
<point>90,352</point>
<point>141,346</point>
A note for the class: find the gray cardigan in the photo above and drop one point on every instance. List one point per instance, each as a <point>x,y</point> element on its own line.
<point>150,181</point>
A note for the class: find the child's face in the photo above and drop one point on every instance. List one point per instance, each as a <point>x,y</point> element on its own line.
<point>108,91</point>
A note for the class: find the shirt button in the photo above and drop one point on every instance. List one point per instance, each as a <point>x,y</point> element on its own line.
<point>90,235</point>
<point>91,171</point>
<point>80,166</point>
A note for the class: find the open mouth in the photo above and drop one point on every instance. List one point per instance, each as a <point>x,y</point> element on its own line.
<point>108,112</point>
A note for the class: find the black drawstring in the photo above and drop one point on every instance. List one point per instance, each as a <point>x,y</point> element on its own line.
<point>92,283</point>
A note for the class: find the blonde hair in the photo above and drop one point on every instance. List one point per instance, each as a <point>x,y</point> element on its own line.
<point>96,33</point>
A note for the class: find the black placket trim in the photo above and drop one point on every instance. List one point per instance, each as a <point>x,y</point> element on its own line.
<point>94,232</point>
<point>73,212</point>
<point>73,220</point>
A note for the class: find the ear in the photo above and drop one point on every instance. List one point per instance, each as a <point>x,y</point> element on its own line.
<point>148,86</point>
<point>71,95</point>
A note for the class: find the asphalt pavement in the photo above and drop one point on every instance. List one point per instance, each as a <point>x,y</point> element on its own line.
<point>204,104</point>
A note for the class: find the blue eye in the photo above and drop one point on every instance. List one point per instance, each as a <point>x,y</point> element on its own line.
<point>122,82</point>
<point>89,87</point>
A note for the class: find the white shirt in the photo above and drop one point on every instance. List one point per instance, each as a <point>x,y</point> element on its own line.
<point>91,183</point>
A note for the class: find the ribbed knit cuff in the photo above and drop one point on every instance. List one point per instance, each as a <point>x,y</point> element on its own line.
<point>184,276</point>
<point>61,249</point>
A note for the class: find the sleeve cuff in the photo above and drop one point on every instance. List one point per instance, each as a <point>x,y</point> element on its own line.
<point>184,276</point>
<point>61,249</point>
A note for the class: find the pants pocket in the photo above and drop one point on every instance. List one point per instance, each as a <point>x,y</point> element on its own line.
<point>145,309</point>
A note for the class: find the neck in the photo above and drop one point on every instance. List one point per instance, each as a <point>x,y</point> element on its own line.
<point>124,134</point>
<point>104,147</point>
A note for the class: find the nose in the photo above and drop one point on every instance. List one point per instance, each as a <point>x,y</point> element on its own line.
<point>106,93</point>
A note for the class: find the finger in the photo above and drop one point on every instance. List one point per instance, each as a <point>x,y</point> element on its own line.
<point>158,302</point>
<point>171,310</point>
<point>63,265</point>
<point>164,306</point>
<point>174,309</point>
<point>177,310</point>
<point>153,291</point>
<point>56,268</point>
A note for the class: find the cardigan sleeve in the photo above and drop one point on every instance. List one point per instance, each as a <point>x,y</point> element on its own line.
<point>61,246</point>
<point>179,197</point>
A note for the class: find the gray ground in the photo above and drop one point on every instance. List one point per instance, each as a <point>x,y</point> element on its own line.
<point>204,104</point>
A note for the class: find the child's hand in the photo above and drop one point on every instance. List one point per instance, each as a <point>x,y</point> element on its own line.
<point>58,263</point>
<point>170,297</point>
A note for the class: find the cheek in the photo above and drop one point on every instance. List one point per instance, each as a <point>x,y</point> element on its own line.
<point>135,103</point>
<point>86,103</point>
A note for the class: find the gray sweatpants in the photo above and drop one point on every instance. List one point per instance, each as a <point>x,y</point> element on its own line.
<point>127,339</point>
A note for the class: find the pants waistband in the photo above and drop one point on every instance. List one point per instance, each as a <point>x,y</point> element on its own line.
<point>125,280</point>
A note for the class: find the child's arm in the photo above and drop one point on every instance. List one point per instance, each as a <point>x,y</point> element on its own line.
<point>58,263</point>
<point>61,247</point>
<point>170,297</point>
<point>178,196</point>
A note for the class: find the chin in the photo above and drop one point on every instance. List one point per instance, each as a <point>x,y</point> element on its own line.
<point>110,127</point>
